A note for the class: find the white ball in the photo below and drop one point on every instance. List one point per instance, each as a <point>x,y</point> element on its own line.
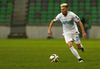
<point>54,58</point>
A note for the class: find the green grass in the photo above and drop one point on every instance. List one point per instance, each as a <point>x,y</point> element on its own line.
<point>35,53</point>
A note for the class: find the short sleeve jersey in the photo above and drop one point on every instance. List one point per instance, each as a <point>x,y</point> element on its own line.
<point>68,22</point>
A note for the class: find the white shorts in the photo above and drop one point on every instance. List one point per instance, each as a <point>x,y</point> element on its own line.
<point>72,37</point>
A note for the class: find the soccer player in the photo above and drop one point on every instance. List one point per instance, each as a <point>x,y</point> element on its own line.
<point>70,30</point>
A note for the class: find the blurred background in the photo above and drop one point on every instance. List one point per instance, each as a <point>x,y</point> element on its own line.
<point>31,18</point>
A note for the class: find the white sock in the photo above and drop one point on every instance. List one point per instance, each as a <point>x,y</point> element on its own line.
<point>81,45</point>
<point>74,51</point>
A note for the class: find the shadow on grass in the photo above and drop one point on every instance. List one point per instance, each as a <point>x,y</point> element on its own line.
<point>66,61</point>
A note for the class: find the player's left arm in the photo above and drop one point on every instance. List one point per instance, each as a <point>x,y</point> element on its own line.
<point>82,29</point>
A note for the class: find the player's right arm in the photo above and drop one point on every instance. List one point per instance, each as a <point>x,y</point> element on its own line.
<point>50,26</point>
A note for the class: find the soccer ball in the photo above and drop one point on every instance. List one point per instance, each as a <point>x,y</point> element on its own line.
<point>54,58</point>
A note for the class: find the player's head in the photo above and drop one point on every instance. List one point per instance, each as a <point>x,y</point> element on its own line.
<point>64,8</point>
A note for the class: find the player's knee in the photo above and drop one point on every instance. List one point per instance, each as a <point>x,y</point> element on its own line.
<point>70,44</point>
<point>78,46</point>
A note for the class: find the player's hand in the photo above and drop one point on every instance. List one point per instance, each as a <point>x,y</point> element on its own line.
<point>49,32</point>
<point>84,35</point>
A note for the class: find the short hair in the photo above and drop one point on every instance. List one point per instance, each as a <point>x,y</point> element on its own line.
<point>64,5</point>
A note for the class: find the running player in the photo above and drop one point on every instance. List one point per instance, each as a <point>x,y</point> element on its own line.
<point>70,30</point>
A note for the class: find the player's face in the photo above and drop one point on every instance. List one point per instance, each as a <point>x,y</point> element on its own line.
<point>64,10</point>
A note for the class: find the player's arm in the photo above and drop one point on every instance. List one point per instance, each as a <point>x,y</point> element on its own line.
<point>50,26</point>
<point>82,29</point>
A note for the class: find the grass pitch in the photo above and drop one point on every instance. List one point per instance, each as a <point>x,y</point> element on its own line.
<point>35,53</point>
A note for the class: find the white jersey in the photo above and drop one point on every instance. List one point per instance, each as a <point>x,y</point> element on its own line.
<point>68,22</point>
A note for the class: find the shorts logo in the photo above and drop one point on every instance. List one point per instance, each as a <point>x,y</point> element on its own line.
<point>77,38</point>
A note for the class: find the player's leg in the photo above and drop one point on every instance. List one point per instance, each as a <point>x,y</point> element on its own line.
<point>68,39</point>
<point>73,50</point>
<point>78,43</point>
<point>80,47</point>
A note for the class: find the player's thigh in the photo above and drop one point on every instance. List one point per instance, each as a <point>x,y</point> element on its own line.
<point>76,39</point>
<point>68,38</point>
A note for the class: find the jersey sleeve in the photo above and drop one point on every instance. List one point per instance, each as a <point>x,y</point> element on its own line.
<point>75,17</point>
<point>57,17</point>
